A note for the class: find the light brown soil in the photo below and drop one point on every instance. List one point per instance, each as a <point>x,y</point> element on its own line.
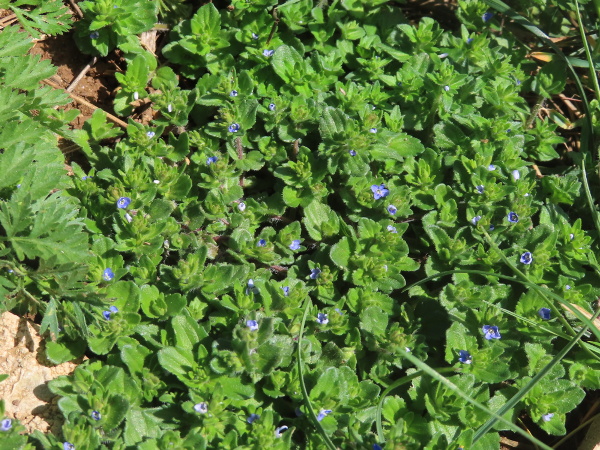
<point>25,392</point>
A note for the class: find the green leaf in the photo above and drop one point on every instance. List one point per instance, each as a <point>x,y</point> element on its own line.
<point>286,61</point>
<point>320,220</point>
<point>340,253</point>
<point>175,360</point>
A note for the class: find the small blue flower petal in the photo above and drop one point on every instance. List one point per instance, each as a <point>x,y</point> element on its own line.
<point>392,209</point>
<point>201,407</point>
<point>373,130</point>
<point>233,93</point>
<point>108,274</point>
<point>491,332</point>
<point>94,35</point>
<point>113,309</point>
<point>446,88</point>
<point>268,53</point>
<point>252,325</point>
<point>464,357</point>
<point>487,16</point>
<point>106,315</point>
<point>547,417</point>
<point>352,152</point>
<point>513,217</point>
<point>211,160</point>
<point>322,318</point>
<point>261,243</point>
<point>526,258</point>
<point>150,134</point>
<point>491,167</point>
<point>480,188</point>
<point>544,313</point>
<point>280,430</point>
<point>272,107</point>
<point>295,245</point>
<point>241,206</point>
<point>234,128</point>
<point>123,202</point>
<point>96,415</point>
<point>286,290</point>
<point>314,274</point>
<point>379,191</point>
<point>68,446</point>
<point>254,36</point>
<point>323,413</point>
<point>5,425</point>
<point>252,418</point>
<point>392,229</point>
<point>475,219</point>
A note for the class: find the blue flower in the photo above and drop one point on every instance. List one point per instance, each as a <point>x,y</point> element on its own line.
<point>252,324</point>
<point>108,274</point>
<point>5,425</point>
<point>567,287</point>
<point>251,287</point>
<point>492,226</point>
<point>241,206</point>
<point>377,447</point>
<point>547,417</point>
<point>475,219</point>
<point>261,243</point>
<point>392,209</point>
<point>487,16</point>
<point>392,229</point>
<point>446,88</point>
<point>211,160</point>
<point>94,35</point>
<point>323,413</point>
<point>272,107</point>
<point>286,290</point>
<point>314,274</point>
<point>373,130</point>
<point>516,175</point>
<point>295,245</point>
<point>491,167</point>
<point>571,236</point>
<point>491,332</point>
<point>280,430</point>
<point>379,191</point>
<point>113,309</point>
<point>234,128</point>
<point>233,93</point>
<point>201,407</point>
<point>526,258</point>
<point>352,152</point>
<point>544,313</point>
<point>268,53</point>
<point>150,134</point>
<point>252,418</point>
<point>469,40</point>
<point>518,82</point>
<point>322,318</point>
<point>464,357</point>
<point>480,188</point>
<point>254,36</point>
<point>106,315</point>
<point>513,217</point>
<point>96,415</point>
<point>123,202</point>
<point>68,446</point>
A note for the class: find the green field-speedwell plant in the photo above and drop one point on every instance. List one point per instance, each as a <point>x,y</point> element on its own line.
<point>342,229</point>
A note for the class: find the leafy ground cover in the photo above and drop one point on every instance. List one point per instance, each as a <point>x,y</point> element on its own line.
<point>307,225</point>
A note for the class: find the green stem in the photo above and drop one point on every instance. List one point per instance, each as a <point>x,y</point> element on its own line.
<point>311,411</point>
